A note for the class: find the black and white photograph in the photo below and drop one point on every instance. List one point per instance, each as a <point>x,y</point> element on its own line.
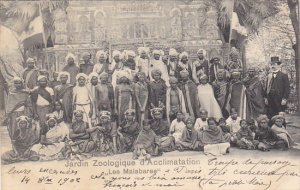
<point>150,94</point>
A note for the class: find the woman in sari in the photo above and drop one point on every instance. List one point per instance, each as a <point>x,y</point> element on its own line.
<point>281,131</point>
<point>63,93</point>
<point>18,103</point>
<point>105,134</point>
<point>128,131</point>
<point>26,134</point>
<point>124,97</point>
<point>52,139</point>
<point>189,137</point>
<point>213,139</point>
<point>80,134</point>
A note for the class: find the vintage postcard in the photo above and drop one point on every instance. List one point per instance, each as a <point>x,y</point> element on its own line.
<point>150,94</point>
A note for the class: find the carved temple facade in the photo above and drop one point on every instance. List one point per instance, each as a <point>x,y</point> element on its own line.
<point>118,25</point>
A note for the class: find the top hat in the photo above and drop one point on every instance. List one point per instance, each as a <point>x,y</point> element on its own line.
<point>275,60</point>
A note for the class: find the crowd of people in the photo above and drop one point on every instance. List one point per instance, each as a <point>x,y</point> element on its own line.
<point>146,105</point>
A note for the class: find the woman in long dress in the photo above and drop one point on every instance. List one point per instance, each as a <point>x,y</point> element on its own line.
<point>52,139</point>
<point>124,97</point>
<point>207,98</point>
<point>27,134</point>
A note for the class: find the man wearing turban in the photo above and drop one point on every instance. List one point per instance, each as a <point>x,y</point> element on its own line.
<point>190,93</point>
<point>183,64</point>
<point>172,61</point>
<point>200,66</point>
<point>214,67</point>
<point>30,74</point>
<point>234,61</point>
<point>117,66</point>
<point>43,99</point>
<point>18,103</point>
<point>220,87</point>
<point>101,63</point>
<point>71,68</point>
<point>174,100</point>
<point>87,66</point>
<point>104,94</point>
<point>157,63</point>
<point>236,94</point>
<point>64,94</point>
<point>254,94</point>
<point>158,87</point>
<point>143,61</point>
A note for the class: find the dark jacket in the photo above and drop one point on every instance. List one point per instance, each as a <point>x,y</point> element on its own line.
<point>281,85</point>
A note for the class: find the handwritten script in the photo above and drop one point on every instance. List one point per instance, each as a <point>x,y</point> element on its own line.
<point>161,173</point>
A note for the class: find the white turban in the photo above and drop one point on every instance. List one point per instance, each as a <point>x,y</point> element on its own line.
<point>30,60</point>
<point>101,53</point>
<point>160,52</point>
<point>16,78</point>
<point>183,54</point>
<point>93,74</point>
<point>203,51</point>
<point>131,53</point>
<point>173,52</point>
<point>143,49</point>
<point>64,73</point>
<point>81,75</point>
<point>40,77</point>
<point>70,55</point>
<point>115,53</point>
<point>124,74</point>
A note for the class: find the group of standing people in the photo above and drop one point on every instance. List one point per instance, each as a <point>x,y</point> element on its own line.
<point>137,103</point>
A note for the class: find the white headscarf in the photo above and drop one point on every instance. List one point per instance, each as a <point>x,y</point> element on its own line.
<point>173,52</point>
<point>203,50</point>
<point>64,73</point>
<point>160,52</point>
<point>70,55</point>
<point>81,75</point>
<point>93,74</point>
<point>16,78</point>
<point>101,53</point>
<point>41,77</point>
<point>115,53</point>
<point>183,54</point>
<point>143,49</point>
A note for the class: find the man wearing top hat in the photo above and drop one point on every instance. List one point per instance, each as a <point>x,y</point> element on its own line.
<point>277,89</point>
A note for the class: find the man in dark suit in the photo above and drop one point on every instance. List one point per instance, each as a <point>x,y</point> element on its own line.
<point>277,89</point>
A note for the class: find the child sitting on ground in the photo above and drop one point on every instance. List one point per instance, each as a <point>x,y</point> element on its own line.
<point>244,138</point>
<point>177,126</point>
<point>147,143</point>
<point>233,122</point>
<point>189,137</point>
<point>225,129</point>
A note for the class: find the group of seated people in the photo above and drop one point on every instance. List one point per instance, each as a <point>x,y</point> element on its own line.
<point>58,140</point>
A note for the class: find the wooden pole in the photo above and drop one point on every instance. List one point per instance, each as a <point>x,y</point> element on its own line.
<point>44,37</point>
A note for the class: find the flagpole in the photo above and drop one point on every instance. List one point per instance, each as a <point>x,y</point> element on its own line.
<point>230,31</point>
<point>44,37</point>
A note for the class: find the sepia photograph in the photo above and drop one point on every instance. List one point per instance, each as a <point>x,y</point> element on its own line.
<point>150,94</point>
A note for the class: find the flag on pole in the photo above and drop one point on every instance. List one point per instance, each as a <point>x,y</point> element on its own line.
<point>227,7</point>
<point>34,35</point>
<point>237,30</point>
